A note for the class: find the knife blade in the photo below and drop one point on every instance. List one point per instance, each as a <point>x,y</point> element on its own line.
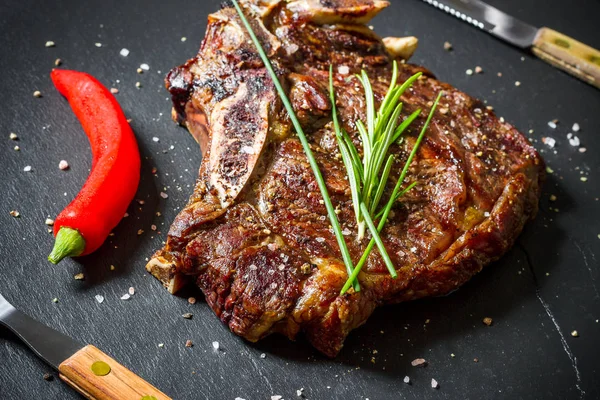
<point>85,368</point>
<point>557,49</point>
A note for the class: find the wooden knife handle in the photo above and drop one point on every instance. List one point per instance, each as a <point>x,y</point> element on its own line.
<point>568,54</point>
<point>97,376</point>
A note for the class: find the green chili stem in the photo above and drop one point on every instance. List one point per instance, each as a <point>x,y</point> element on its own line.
<point>68,243</point>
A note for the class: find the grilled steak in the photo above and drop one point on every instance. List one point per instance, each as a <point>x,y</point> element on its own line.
<point>255,236</point>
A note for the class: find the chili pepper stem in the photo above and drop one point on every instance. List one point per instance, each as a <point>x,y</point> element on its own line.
<point>69,243</point>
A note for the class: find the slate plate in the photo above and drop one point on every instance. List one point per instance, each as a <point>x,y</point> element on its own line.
<point>537,294</point>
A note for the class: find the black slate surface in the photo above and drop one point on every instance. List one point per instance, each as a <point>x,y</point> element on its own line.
<point>547,286</point>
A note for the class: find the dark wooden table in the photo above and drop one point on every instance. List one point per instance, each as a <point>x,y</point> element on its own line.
<point>541,291</point>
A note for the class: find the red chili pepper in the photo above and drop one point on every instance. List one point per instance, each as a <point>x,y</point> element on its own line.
<point>84,225</point>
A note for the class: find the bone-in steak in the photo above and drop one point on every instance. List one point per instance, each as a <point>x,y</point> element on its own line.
<point>255,236</point>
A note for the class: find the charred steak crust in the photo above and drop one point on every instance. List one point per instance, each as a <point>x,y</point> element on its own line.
<point>255,236</point>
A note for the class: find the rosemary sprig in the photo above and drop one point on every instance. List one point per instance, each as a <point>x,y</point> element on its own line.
<point>396,194</point>
<point>368,177</point>
<point>309,154</point>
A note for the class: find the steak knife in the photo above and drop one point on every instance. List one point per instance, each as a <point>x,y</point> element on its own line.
<point>85,368</point>
<point>557,49</point>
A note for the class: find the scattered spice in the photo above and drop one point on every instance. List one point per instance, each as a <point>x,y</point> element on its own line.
<point>131,291</point>
<point>15,213</point>
<point>478,70</point>
<point>188,343</point>
<point>434,383</point>
<point>50,43</point>
<point>192,300</point>
<point>138,85</point>
<point>447,46</point>
<point>164,195</point>
<point>575,334</point>
<point>114,90</point>
<point>79,277</point>
<point>488,321</point>
<point>552,197</point>
<point>476,360</point>
<point>418,362</point>
<point>57,62</point>
<point>187,315</point>
<point>37,94</point>
<point>48,377</point>
<point>112,268</point>
<point>140,231</point>
<point>63,165</point>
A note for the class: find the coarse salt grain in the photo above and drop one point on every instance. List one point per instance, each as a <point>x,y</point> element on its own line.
<point>145,67</point>
<point>469,72</point>
<point>15,214</point>
<point>517,83</point>
<point>164,195</point>
<point>320,239</point>
<point>548,141</point>
<point>99,298</point>
<point>574,141</point>
<point>50,43</point>
<point>263,356</point>
<point>98,44</point>
<point>344,69</point>
<point>27,168</point>
<point>576,127</point>
<point>126,296</point>
<point>276,397</point>
<point>138,85</point>
<point>406,379</point>
<point>131,290</point>
<point>153,227</point>
<point>17,148</point>
<point>49,222</point>
<point>575,334</point>
<point>552,124</point>
<point>447,46</point>
<point>114,90</point>
<point>478,70</point>
<point>418,362</point>
<point>155,139</point>
<point>37,94</point>
<point>434,383</point>
<point>215,345</point>
<point>63,164</point>
<point>13,136</point>
<point>124,52</point>
<point>183,38</point>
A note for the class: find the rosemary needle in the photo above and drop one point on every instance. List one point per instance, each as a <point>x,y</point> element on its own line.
<point>300,132</point>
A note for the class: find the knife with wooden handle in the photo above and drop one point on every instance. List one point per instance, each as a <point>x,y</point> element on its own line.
<point>557,49</point>
<point>85,368</point>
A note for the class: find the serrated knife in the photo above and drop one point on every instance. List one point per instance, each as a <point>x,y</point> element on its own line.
<point>88,370</point>
<point>557,49</point>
